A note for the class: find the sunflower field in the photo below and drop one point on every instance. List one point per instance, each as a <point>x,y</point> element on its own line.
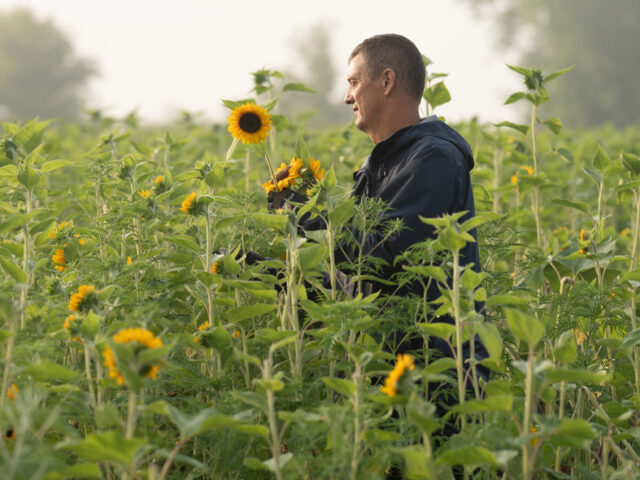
<point>160,319</point>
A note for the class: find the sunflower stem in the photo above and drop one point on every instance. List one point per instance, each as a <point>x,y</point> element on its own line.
<point>87,368</point>
<point>455,296</point>
<point>7,363</point>
<point>131,415</point>
<point>271,171</point>
<point>526,422</point>
<point>357,434</point>
<point>207,267</point>
<point>247,166</point>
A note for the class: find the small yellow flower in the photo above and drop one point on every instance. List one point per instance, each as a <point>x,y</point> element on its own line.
<point>214,268</point>
<point>404,362</point>
<point>189,203</point>
<point>80,240</point>
<point>236,334</point>
<point>625,232</point>
<point>514,181</point>
<point>83,298</point>
<point>129,261</point>
<point>204,326</point>
<point>12,392</point>
<point>584,237</point>
<point>159,179</point>
<point>60,260</point>
<point>314,166</point>
<point>527,169</point>
<point>58,229</point>
<point>69,321</point>
<point>534,441</point>
<point>145,193</point>
<point>110,363</point>
<point>250,123</point>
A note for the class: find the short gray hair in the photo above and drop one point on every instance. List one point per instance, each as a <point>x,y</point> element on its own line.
<point>397,53</point>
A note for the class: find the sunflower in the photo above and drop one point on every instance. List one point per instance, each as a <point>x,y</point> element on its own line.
<point>314,166</point>
<point>214,268</point>
<point>527,169</point>
<point>250,123</point>
<point>405,362</point>
<point>286,175</point>
<point>142,339</point>
<point>140,335</point>
<point>59,259</point>
<point>58,229</point>
<point>201,328</point>
<point>190,203</point>
<point>144,193</point>
<point>159,179</point>
<point>83,299</point>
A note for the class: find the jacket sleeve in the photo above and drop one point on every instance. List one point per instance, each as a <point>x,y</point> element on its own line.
<point>430,183</point>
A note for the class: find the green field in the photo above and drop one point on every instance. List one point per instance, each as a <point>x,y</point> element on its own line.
<point>138,342</point>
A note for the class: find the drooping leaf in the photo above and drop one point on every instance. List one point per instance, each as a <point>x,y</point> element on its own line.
<point>244,312</point>
<point>109,447</point>
<point>340,385</point>
<point>297,87</point>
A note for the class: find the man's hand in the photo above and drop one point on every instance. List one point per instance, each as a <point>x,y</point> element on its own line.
<point>276,199</point>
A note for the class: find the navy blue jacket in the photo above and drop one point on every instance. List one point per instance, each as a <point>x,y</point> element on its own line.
<point>421,170</point>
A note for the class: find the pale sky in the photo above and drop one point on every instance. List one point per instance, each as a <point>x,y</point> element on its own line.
<point>163,56</point>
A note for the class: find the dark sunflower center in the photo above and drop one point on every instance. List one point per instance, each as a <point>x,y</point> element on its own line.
<point>250,122</point>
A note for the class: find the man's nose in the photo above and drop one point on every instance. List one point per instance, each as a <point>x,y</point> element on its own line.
<point>348,98</point>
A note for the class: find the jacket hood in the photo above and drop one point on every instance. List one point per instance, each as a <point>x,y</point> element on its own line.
<point>428,127</point>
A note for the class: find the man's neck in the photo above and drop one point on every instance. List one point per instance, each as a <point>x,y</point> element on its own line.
<point>392,122</point>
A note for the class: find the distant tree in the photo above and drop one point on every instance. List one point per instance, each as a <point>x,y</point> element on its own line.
<point>600,38</point>
<point>315,68</point>
<point>39,73</point>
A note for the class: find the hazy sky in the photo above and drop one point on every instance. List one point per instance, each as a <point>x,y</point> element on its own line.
<point>164,56</point>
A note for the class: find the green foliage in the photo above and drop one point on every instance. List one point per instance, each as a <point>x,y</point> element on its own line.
<point>273,368</point>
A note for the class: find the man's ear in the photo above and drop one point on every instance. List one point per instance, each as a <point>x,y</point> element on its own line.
<point>389,80</point>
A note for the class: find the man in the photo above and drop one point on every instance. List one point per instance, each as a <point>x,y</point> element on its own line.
<point>419,167</point>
